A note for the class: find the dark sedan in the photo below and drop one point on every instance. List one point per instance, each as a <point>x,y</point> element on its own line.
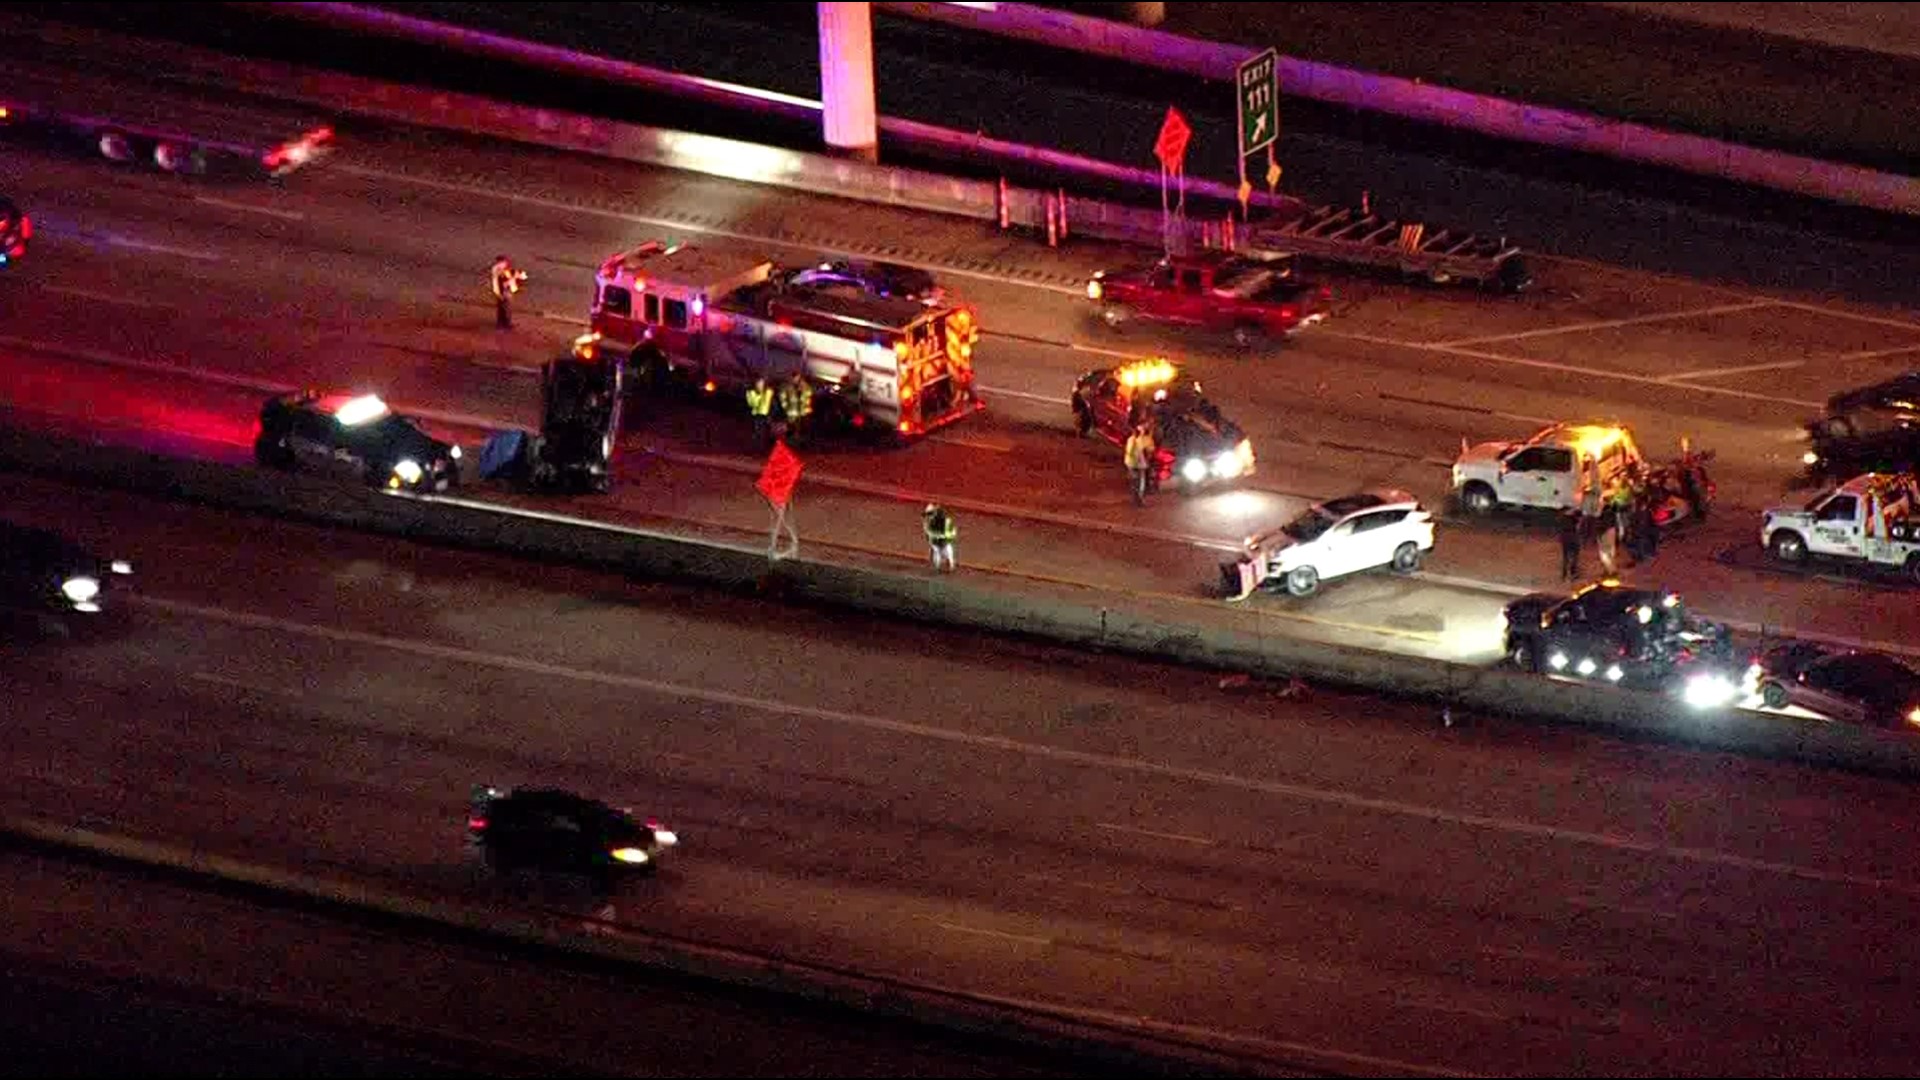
<point>879,278</point>
<point>51,578</point>
<point>1840,685</point>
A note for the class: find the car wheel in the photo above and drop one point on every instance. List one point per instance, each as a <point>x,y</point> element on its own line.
<point>1773,695</point>
<point>1478,498</point>
<point>272,453</point>
<point>1406,558</point>
<point>1303,581</point>
<point>1521,655</point>
<point>1788,546</point>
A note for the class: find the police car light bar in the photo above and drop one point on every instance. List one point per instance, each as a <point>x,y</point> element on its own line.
<point>356,411</point>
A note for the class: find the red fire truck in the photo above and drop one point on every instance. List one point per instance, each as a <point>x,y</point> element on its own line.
<point>716,315</point>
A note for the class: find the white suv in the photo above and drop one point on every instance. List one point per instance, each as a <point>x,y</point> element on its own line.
<point>1333,539</point>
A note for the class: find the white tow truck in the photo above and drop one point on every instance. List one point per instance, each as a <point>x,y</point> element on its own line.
<point>1872,520</point>
<point>1547,470</point>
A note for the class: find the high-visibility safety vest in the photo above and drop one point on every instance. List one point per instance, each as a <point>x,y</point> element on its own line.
<point>1138,448</point>
<point>759,400</point>
<point>941,528</point>
<point>796,400</point>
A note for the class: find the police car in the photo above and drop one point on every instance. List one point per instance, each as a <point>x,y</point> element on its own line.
<point>354,437</point>
<point>1609,633</point>
<point>879,278</point>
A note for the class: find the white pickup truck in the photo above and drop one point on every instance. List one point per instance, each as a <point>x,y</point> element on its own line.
<point>1873,519</point>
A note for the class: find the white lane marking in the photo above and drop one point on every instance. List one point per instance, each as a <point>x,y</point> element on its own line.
<point>1744,369</point>
<point>1878,354</point>
<point>1569,369</point>
<point>1876,320</point>
<point>235,684</point>
<point>563,318</point>
<point>1539,957</point>
<point>975,444</point>
<point>1613,842</point>
<point>1025,939</point>
<point>1182,837</point>
<point>1622,909</point>
<point>118,299</point>
<point>685,226</point>
<point>1609,324</point>
<point>1025,396</point>
<point>250,208</point>
<point>135,244</point>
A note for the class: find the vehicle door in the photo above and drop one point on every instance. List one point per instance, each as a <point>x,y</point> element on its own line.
<point>1191,301</point>
<point>314,439</point>
<point>1837,527</point>
<point>1375,534</point>
<point>1539,476</point>
<point>1577,632</point>
<point>1833,688</point>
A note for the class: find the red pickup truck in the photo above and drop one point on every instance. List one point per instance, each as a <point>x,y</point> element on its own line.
<point>1253,299</point>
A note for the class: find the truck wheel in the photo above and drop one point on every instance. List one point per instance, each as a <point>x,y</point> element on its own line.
<point>115,147</point>
<point>1114,316</point>
<point>1406,558</point>
<point>1773,695</point>
<point>1788,546</point>
<point>1478,498</point>
<point>1303,581</point>
<point>1247,335</point>
<point>1521,655</point>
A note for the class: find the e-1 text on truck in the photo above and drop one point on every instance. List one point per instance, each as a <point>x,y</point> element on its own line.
<point>1872,520</point>
<point>132,118</point>
<point>715,316</point>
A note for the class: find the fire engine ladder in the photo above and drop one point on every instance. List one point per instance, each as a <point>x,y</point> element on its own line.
<point>1345,234</point>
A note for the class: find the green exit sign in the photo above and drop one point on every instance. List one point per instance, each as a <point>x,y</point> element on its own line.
<point>1259,83</point>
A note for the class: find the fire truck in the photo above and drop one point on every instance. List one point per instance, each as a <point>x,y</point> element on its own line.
<point>715,316</point>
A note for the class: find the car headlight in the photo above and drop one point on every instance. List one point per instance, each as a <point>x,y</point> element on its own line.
<point>453,452</point>
<point>80,590</point>
<point>1194,470</point>
<point>1228,465</point>
<point>1093,290</point>
<point>408,470</point>
<point>1615,673</point>
<point>1809,458</point>
<point>122,566</point>
<point>1913,717</point>
<point>665,837</point>
<point>1709,691</point>
<point>631,855</point>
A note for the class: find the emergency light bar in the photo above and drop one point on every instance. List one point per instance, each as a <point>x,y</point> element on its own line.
<point>356,411</point>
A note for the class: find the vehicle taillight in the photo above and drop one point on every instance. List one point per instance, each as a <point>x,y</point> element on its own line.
<point>1287,312</point>
<point>654,824</point>
<point>476,823</point>
<point>1661,517</point>
<point>1326,292</point>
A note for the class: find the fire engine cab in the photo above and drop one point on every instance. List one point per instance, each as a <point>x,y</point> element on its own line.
<point>715,316</point>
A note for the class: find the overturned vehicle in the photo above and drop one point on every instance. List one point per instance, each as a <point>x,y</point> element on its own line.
<point>580,412</point>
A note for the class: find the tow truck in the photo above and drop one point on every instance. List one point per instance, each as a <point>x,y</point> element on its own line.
<point>1641,639</point>
<point>1546,470</point>
<point>1253,299</point>
<point>715,316</point>
<point>132,118</point>
<point>1191,438</point>
<point>1872,520</point>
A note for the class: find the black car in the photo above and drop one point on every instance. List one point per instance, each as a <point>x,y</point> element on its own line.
<point>559,831</point>
<point>1195,443</point>
<point>48,576</point>
<point>581,400</point>
<point>16,228</point>
<point>1870,429</point>
<point>1841,685</point>
<point>1638,638</point>
<point>878,278</point>
<point>356,438</point>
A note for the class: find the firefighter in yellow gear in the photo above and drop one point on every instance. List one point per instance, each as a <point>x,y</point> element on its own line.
<point>760,407</point>
<point>505,281</point>
<point>796,403</point>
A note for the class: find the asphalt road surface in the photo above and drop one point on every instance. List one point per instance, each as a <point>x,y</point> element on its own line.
<point>110,970</point>
<point>160,313</point>
<point>1335,881</point>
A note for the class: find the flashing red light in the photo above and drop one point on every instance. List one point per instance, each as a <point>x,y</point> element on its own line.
<point>906,427</point>
<point>654,824</point>
<point>1661,517</point>
<point>476,823</point>
<point>859,420</point>
<point>1287,312</point>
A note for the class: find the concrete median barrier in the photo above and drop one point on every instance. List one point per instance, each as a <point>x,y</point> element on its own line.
<point>571,939</point>
<point>1078,616</point>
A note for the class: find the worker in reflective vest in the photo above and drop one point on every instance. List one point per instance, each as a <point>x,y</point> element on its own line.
<point>941,532</point>
<point>1139,456</point>
<point>796,401</point>
<point>760,406</point>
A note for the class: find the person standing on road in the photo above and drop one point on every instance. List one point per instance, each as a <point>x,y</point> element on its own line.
<point>941,532</point>
<point>1139,457</point>
<point>760,406</point>
<point>1572,533</point>
<point>505,281</point>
